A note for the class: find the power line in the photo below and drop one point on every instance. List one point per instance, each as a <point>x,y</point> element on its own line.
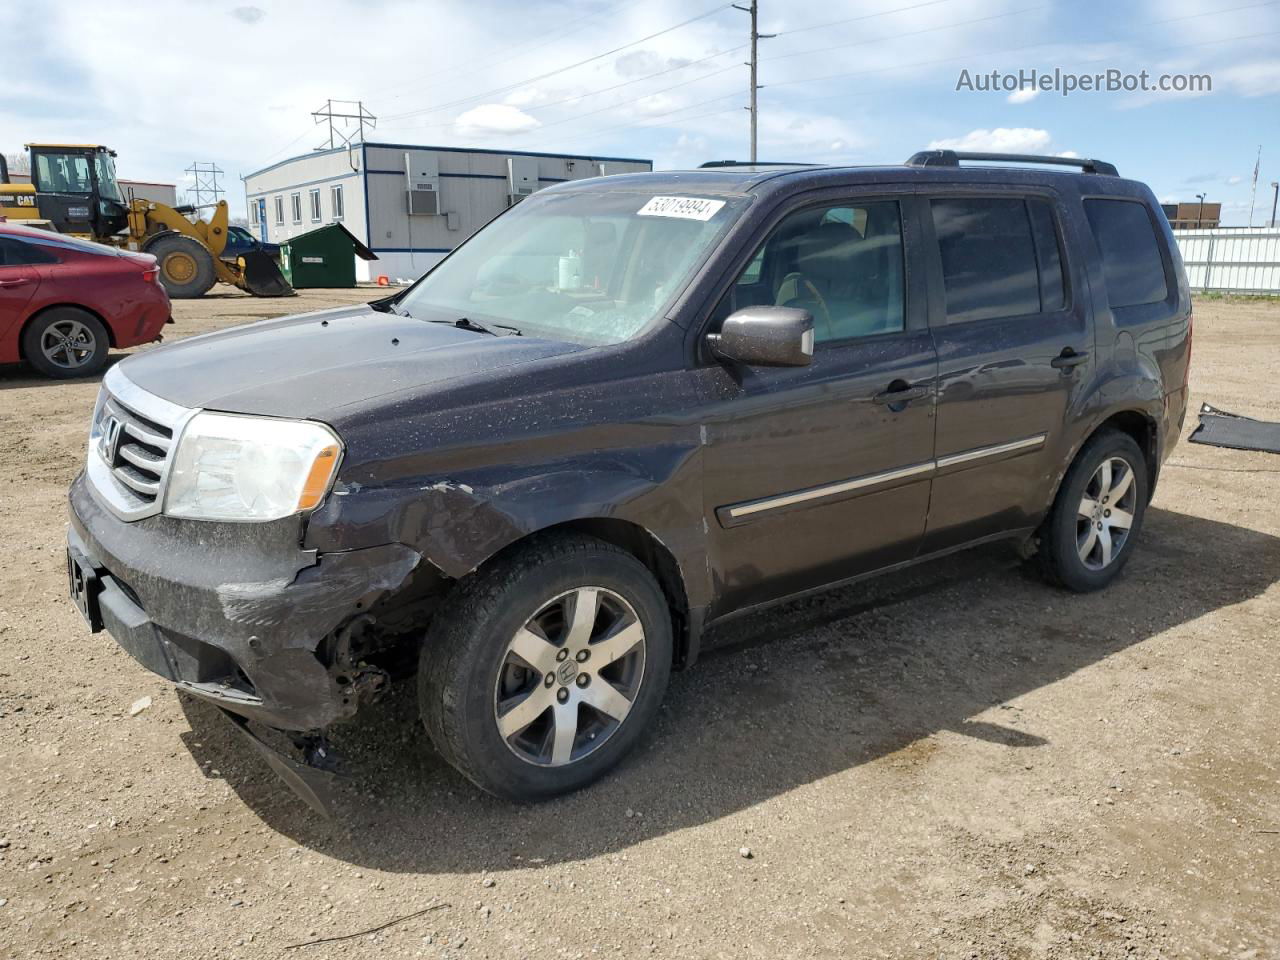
<point>551,35</point>
<point>551,73</point>
<point>338,135</point>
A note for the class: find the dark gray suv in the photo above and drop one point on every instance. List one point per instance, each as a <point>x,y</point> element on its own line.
<point>628,408</point>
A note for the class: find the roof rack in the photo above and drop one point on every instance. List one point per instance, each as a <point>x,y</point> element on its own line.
<point>952,158</point>
<point>758,163</point>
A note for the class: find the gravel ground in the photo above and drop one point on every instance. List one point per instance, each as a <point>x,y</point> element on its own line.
<point>954,762</point>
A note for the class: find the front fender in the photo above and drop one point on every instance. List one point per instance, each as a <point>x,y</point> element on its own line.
<point>460,521</point>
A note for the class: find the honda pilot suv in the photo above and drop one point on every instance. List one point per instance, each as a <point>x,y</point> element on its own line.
<point>625,410</point>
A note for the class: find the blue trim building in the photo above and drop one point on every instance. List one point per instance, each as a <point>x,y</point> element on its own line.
<point>412,204</point>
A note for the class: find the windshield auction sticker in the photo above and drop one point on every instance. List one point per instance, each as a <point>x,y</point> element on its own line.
<point>682,208</point>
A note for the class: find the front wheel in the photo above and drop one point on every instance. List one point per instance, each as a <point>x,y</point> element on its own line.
<point>1090,532</point>
<point>543,672</point>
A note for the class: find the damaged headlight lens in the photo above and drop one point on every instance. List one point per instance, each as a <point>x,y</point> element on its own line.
<point>231,467</point>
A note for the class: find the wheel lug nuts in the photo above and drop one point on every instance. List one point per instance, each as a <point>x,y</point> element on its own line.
<point>562,694</point>
<point>1106,513</point>
<point>582,655</point>
<point>583,679</point>
<point>562,654</point>
<point>549,679</point>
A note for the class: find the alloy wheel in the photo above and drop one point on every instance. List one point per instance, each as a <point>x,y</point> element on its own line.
<point>68,344</point>
<point>1105,515</point>
<point>569,677</point>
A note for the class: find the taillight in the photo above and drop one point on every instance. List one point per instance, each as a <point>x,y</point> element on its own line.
<point>151,275</point>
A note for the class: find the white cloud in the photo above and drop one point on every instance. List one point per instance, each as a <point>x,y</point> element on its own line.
<point>1068,153</point>
<point>248,14</point>
<point>1025,95</point>
<point>1258,79</point>
<point>526,97</point>
<point>495,118</point>
<point>1232,181</point>
<point>999,140</point>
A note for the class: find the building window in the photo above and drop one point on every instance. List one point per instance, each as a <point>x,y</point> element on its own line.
<point>253,211</point>
<point>295,203</point>
<point>335,194</point>
<point>315,206</point>
<point>279,211</point>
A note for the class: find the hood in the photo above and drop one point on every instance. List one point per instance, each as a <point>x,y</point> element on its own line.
<point>314,363</point>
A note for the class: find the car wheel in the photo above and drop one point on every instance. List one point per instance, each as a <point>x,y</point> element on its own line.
<point>543,671</point>
<point>66,342</point>
<point>186,265</point>
<point>1091,530</point>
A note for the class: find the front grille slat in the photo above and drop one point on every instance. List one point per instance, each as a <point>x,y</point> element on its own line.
<point>141,458</point>
<point>135,480</point>
<point>136,432</point>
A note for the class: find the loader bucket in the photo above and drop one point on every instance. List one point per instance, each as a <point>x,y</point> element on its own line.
<point>260,275</point>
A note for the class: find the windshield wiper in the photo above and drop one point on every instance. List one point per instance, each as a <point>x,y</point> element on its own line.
<point>466,323</point>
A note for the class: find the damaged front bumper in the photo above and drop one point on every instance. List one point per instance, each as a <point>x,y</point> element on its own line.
<point>240,615</point>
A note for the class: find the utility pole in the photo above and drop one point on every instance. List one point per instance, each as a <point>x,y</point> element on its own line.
<point>1200,211</point>
<point>756,37</point>
<point>338,133</point>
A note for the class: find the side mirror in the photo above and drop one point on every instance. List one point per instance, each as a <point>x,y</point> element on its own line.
<point>765,337</point>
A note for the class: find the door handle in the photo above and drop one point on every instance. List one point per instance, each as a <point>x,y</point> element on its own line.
<point>1069,358</point>
<point>14,281</point>
<point>900,394</point>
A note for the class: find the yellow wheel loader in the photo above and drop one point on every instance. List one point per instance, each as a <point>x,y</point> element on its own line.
<point>74,190</point>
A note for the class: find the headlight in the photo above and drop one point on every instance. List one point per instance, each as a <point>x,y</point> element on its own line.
<point>230,467</point>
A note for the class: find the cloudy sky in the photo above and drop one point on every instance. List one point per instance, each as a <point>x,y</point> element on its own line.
<point>861,81</point>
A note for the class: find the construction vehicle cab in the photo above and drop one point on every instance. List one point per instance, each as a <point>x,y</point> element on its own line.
<point>74,189</point>
<point>77,188</point>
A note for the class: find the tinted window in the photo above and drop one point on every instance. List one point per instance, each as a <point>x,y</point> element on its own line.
<point>842,263</point>
<point>988,258</point>
<point>1053,294</point>
<point>16,253</point>
<point>1131,259</point>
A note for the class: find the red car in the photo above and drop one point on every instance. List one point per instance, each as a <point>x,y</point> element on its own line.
<point>65,302</point>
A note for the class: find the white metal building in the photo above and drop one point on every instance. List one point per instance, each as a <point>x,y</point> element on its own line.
<point>410,204</point>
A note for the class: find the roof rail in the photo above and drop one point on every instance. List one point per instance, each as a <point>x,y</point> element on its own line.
<point>952,158</point>
<point>758,163</point>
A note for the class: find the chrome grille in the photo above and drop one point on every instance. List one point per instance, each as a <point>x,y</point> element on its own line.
<point>131,441</point>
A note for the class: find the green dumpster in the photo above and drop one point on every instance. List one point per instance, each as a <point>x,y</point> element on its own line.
<point>324,257</point>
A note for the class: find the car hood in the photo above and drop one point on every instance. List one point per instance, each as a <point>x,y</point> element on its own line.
<point>312,364</point>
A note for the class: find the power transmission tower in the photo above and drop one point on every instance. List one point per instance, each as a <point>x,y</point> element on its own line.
<point>342,135</point>
<point>204,176</point>
<point>756,37</point>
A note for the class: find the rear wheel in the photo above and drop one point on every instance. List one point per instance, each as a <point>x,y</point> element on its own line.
<point>66,342</point>
<point>1089,534</point>
<point>543,672</point>
<point>186,265</point>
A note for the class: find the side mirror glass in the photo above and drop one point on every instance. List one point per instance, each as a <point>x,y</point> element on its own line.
<point>765,337</point>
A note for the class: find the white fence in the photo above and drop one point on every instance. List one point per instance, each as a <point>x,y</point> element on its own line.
<point>1226,260</point>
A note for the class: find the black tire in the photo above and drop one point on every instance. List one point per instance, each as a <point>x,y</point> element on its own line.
<point>58,325</point>
<point>1066,531</point>
<point>463,659</point>
<point>186,265</point>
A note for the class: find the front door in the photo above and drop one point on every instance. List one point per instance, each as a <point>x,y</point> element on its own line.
<point>818,473</point>
<point>18,281</point>
<point>1014,346</point>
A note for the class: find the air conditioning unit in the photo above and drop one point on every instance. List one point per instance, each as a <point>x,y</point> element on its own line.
<point>424,203</point>
<point>422,171</point>
<point>522,177</point>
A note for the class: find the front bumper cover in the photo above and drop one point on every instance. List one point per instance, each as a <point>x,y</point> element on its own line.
<point>234,613</point>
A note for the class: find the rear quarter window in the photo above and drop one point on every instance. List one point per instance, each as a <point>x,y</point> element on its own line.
<point>1131,261</point>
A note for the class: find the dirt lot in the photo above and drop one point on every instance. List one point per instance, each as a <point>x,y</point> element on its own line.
<point>959,762</point>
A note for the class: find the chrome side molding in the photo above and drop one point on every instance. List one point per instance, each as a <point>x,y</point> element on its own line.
<point>739,511</point>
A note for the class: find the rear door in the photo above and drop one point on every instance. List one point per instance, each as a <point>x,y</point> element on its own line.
<point>815,474</point>
<point>1011,326</point>
<point>18,282</point>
